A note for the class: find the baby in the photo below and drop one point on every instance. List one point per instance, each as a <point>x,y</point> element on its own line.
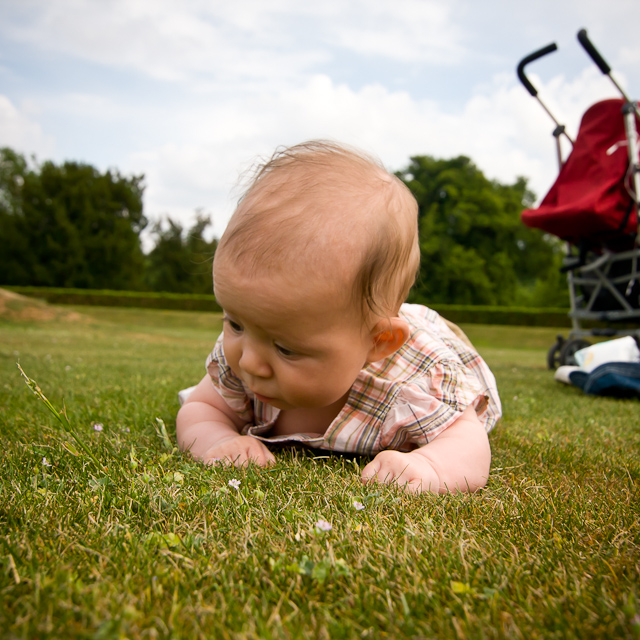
<point>317,346</point>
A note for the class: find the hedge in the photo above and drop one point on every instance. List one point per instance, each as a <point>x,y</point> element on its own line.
<point>108,298</point>
<point>201,302</point>
<point>526,316</point>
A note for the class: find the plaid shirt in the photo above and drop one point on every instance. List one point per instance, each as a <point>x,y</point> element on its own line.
<point>402,402</point>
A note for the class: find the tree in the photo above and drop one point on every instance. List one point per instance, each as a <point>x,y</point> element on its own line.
<point>69,225</point>
<point>181,261</point>
<point>474,248</point>
<point>16,262</point>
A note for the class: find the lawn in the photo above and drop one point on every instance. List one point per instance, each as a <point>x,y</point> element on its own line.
<point>132,539</point>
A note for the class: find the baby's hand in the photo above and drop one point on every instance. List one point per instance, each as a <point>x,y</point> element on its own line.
<point>411,471</point>
<point>459,459</point>
<point>239,451</point>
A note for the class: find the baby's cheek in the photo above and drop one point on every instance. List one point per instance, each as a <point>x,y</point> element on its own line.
<point>230,354</point>
<point>311,396</point>
<point>308,397</point>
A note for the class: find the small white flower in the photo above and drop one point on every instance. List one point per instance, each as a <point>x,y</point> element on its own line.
<point>45,462</point>
<point>323,525</point>
<point>98,426</point>
<point>358,506</point>
<point>234,483</point>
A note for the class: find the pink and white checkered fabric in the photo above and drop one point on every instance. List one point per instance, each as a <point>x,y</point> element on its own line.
<point>402,402</point>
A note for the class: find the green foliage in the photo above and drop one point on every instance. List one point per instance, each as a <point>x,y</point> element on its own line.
<point>181,261</point>
<point>474,248</point>
<point>69,225</point>
<point>72,226</point>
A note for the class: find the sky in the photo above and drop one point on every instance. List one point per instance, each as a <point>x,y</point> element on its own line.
<point>191,93</point>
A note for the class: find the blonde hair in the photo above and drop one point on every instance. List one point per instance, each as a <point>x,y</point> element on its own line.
<point>321,197</point>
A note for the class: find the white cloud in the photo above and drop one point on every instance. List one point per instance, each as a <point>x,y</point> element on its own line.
<point>405,30</point>
<point>504,131</point>
<point>389,124</point>
<point>19,131</point>
<point>168,40</point>
<point>239,41</point>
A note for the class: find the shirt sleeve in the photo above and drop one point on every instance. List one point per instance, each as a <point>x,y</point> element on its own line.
<point>228,385</point>
<point>423,409</point>
<point>487,403</point>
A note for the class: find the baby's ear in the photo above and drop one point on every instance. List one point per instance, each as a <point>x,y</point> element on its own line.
<point>388,336</point>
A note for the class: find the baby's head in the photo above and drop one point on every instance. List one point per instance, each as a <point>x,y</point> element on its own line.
<point>324,214</point>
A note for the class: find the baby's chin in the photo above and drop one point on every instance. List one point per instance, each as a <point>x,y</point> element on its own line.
<point>316,404</point>
<point>274,402</point>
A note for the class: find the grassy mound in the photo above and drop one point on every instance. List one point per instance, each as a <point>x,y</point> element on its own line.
<point>17,308</point>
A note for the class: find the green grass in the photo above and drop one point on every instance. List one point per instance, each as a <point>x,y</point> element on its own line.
<point>144,543</point>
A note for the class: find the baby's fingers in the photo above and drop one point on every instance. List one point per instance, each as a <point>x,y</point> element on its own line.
<point>384,468</point>
<point>393,467</point>
<point>240,452</point>
<point>253,451</point>
<point>242,459</point>
<point>256,455</point>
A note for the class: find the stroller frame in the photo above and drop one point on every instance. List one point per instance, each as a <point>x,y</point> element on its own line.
<point>614,276</point>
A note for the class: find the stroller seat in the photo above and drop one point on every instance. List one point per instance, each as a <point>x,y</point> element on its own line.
<point>589,205</point>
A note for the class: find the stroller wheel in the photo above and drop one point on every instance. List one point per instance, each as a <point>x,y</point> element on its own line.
<point>553,355</point>
<point>569,348</point>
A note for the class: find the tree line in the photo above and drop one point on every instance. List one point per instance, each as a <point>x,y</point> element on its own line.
<point>474,248</point>
<point>70,225</point>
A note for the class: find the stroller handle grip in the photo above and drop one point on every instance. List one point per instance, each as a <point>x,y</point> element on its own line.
<point>593,52</point>
<point>550,48</point>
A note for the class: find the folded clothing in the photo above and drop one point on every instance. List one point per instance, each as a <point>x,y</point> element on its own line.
<point>619,379</point>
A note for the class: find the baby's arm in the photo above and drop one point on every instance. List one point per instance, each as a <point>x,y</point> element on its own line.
<point>457,460</point>
<point>209,429</point>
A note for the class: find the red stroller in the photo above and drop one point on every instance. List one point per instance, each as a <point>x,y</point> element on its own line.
<point>593,205</point>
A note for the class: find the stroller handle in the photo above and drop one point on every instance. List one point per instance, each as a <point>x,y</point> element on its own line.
<point>593,52</point>
<point>550,48</point>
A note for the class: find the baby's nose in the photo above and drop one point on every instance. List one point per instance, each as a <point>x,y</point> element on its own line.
<point>253,362</point>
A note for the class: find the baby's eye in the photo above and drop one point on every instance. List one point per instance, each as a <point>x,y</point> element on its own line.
<point>283,351</point>
<point>233,325</point>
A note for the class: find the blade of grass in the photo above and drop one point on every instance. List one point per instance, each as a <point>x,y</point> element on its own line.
<point>161,430</point>
<point>60,416</point>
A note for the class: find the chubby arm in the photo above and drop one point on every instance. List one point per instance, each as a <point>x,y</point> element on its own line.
<point>457,460</point>
<point>210,430</point>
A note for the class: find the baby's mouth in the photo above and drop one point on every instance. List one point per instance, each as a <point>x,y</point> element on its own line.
<point>264,399</point>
